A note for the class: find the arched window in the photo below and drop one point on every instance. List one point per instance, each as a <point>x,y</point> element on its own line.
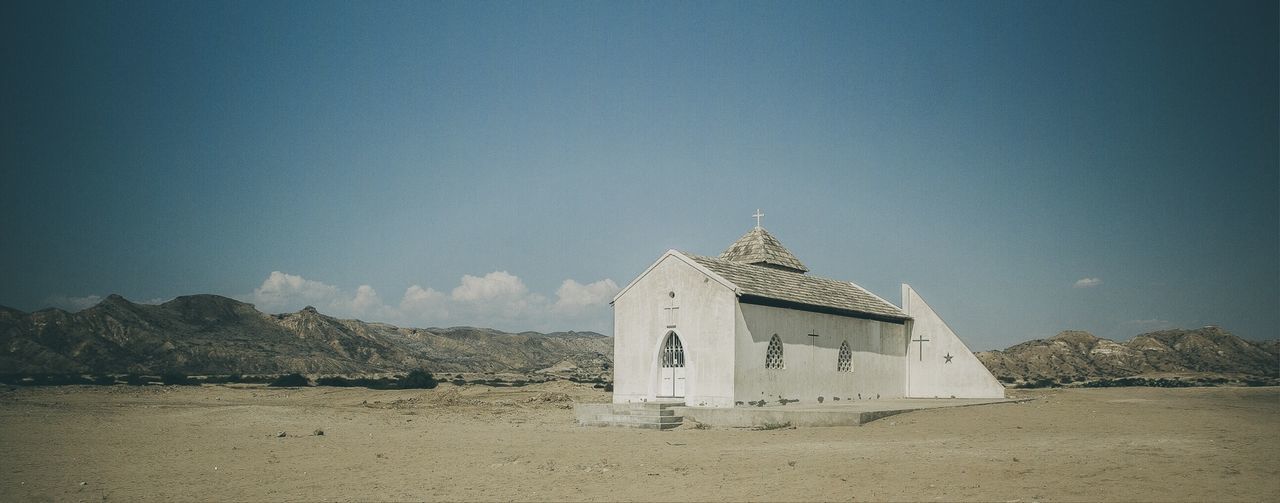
<point>672,352</point>
<point>844,363</point>
<point>773,357</point>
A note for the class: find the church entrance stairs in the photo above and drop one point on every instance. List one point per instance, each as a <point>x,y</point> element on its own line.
<point>654,416</point>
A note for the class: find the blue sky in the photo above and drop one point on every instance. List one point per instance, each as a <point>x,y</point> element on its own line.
<point>1028,167</point>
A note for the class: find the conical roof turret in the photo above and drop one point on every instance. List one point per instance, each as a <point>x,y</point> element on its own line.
<point>758,247</point>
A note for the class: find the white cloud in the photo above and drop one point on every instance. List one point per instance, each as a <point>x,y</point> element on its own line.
<point>495,298</point>
<point>1087,282</point>
<point>73,304</point>
<point>423,304</point>
<point>495,285</point>
<point>282,292</point>
<point>367,305</point>
<point>286,291</point>
<point>498,299</point>
<point>366,298</point>
<point>574,297</point>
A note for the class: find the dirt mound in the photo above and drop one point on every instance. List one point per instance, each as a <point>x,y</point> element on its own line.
<point>452,397</point>
<point>549,397</point>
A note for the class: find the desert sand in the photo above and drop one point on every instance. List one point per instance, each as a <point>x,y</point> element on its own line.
<point>220,443</point>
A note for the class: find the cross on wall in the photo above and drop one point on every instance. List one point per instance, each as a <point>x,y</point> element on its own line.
<point>920,339</point>
<point>671,310</point>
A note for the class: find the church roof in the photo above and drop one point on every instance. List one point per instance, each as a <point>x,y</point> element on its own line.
<point>787,289</point>
<point>761,248</point>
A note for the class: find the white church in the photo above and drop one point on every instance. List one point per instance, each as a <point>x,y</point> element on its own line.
<point>753,325</point>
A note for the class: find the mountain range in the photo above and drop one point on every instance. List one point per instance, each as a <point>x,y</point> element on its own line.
<point>210,334</point>
<point>1081,355</point>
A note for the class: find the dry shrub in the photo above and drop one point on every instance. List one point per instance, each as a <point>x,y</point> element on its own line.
<point>418,379</point>
<point>290,381</point>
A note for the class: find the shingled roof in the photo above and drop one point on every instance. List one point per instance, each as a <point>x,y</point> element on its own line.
<point>765,285</point>
<point>758,247</point>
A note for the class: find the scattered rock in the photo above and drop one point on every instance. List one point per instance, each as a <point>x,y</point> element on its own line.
<point>318,433</point>
<point>280,434</point>
<point>694,425</point>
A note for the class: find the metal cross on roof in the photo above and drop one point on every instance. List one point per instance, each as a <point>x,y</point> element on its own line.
<point>758,215</point>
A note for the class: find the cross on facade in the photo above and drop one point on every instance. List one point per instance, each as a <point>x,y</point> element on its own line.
<point>672,310</point>
<point>921,340</point>
<point>758,216</point>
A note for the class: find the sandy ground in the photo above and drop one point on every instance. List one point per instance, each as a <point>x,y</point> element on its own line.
<point>219,443</point>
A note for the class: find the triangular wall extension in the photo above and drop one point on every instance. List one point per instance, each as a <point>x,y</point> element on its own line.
<point>939,365</point>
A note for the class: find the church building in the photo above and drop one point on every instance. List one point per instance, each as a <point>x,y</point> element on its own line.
<point>752,325</point>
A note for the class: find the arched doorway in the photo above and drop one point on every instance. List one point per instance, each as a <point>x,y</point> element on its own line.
<point>671,373</point>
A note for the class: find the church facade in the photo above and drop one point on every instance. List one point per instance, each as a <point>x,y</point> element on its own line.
<point>752,325</point>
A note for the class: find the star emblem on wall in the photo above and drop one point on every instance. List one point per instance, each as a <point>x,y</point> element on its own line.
<point>948,358</point>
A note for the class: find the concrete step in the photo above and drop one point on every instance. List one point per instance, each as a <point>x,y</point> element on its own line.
<point>656,416</point>
<point>649,405</point>
<point>627,418</point>
<point>663,421</point>
<point>648,426</point>
<point>628,411</point>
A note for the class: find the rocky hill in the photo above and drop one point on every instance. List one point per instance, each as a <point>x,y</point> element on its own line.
<point>1081,355</point>
<point>210,334</point>
<point>468,349</point>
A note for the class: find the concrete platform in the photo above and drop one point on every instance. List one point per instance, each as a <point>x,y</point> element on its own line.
<point>841,414</point>
<point>653,415</point>
<point>834,414</point>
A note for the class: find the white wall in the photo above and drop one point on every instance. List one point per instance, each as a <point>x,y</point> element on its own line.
<point>704,324</point>
<point>929,374</point>
<point>810,362</point>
